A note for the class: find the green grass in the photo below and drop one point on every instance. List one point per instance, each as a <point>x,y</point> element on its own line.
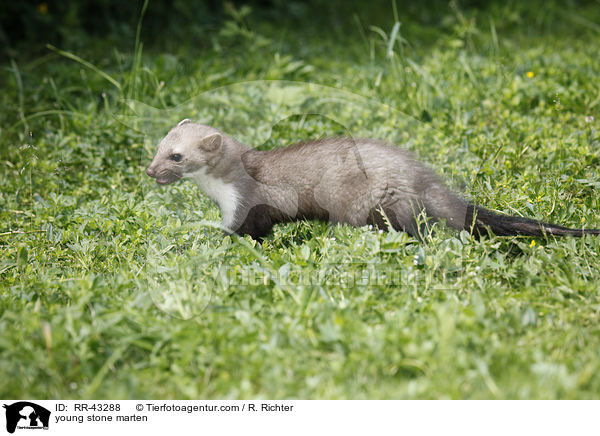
<point>113,287</point>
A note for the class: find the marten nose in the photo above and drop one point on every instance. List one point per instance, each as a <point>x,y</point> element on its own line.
<point>150,172</point>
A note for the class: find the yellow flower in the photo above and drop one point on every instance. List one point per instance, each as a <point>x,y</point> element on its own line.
<point>532,243</point>
<point>530,74</point>
<point>43,8</point>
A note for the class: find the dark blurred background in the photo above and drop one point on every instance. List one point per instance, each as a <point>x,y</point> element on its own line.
<point>31,24</point>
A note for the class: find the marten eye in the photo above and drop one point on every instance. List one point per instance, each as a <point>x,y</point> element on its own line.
<point>176,157</point>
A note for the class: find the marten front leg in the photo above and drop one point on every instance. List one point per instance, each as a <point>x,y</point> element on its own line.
<point>256,222</point>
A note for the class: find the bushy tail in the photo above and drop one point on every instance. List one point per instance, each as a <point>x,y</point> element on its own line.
<point>482,220</point>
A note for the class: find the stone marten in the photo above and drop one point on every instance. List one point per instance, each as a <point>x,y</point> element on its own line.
<point>341,180</point>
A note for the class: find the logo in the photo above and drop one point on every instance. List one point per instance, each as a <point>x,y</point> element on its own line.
<point>26,415</point>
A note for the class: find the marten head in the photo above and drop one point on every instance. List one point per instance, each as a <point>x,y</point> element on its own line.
<point>187,148</point>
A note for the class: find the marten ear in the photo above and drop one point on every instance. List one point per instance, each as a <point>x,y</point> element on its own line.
<point>187,120</point>
<point>212,142</point>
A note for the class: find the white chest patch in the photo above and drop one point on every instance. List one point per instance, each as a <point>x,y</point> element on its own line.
<point>224,194</point>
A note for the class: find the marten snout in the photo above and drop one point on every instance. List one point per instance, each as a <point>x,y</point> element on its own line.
<point>151,172</point>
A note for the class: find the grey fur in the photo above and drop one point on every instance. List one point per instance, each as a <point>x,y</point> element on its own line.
<point>342,180</point>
